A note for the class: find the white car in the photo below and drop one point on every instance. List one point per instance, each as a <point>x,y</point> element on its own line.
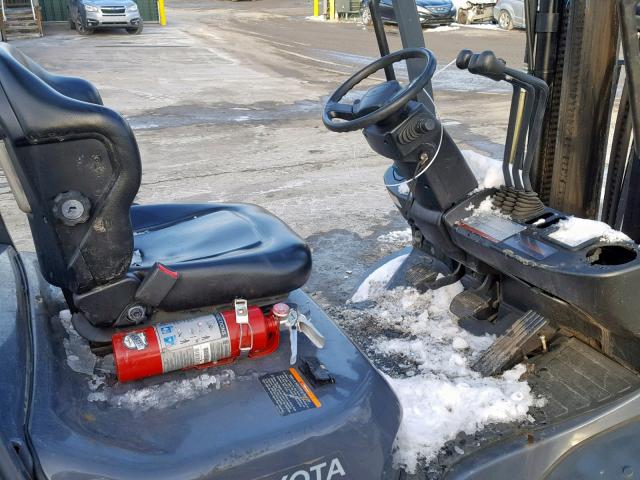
<point>509,14</point>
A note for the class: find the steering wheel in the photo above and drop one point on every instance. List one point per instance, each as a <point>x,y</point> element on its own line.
<point>355,120</point>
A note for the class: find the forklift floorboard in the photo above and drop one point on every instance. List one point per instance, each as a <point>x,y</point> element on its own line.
<point>572,377</point>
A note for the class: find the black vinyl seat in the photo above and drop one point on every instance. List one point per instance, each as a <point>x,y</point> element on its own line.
<point>74,168</point>
<point>220,251</point>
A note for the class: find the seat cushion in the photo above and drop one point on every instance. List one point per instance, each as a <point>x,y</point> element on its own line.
<point>221,252</point>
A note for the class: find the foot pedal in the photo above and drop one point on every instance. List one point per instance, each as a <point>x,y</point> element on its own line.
<point>471,304</point>
<point>511,346</point>
<point>480,303</point>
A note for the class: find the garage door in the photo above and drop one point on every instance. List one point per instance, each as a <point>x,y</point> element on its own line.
<point>56,10</point>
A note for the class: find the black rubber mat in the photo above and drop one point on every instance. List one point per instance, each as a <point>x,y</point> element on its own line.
<point>574,377</point>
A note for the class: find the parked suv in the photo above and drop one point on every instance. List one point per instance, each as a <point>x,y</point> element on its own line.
<point>87,15</point>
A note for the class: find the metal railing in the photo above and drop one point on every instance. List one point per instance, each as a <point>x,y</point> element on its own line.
<point>36,13</point>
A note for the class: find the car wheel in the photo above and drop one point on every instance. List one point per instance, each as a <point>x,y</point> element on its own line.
<point>72,24</point>
<point>463,16</point>
<point>135,31</point>
<point>83,30</point>
<point>365,17</point>
<point>505,21</point>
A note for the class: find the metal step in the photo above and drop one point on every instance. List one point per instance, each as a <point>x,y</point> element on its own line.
<point>18,14</point>
<point>26,27</point>
<point>23,36</point>
<point>511,346</point>
<point>20,18</point>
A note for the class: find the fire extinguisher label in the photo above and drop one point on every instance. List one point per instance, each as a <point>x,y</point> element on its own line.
<point>193,342</point>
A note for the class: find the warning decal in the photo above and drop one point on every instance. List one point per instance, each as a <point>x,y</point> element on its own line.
<point>197,341</point>
<point>493,228</point>
<point>288,392</point>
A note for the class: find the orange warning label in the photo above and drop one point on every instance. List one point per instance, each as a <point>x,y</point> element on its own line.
<point>289,392</point>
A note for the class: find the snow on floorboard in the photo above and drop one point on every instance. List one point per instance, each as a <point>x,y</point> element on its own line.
<point>440,394</point>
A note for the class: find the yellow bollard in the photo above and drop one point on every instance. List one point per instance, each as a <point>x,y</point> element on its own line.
<point>316,8</point>
<point>161,14</point>
<point>332,9</point>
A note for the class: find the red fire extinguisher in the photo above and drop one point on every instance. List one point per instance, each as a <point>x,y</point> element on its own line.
<point>207,340</point>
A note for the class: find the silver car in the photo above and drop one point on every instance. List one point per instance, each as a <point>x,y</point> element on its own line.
<point>87,15</point>
<point>509,14</point>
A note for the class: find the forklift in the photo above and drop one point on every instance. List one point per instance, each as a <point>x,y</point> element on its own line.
<point>559,294</point>
<point>124,301</point>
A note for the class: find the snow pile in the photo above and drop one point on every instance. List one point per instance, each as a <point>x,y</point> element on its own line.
<point>485,208</point>
<point>404,188</point>
<point>378,279</point>
<point>437,407</point>
<point>483,26</point>
<point>488,171</point>
<point>397,237</point>
<point>159,396</point>
<point>444,28</point>
<point>319,18</point>
<point>439,392</point>
<point>574,231</point>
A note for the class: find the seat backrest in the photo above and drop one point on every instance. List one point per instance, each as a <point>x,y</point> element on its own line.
<point>74,168</point>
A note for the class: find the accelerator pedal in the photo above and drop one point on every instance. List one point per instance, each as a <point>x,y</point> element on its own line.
<point>479,303</point>
<point>511,346</point>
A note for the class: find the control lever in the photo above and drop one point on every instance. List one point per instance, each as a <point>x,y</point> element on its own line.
<point>495,71</point>
<point>516,197</point>
<point>296,321</point>
<point>488,65</point>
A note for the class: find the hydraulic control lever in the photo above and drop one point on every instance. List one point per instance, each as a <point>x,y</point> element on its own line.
<point>516,197</point>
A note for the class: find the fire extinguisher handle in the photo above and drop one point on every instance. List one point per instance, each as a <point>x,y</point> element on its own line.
<point>293,339</point>
<point>312,333</point>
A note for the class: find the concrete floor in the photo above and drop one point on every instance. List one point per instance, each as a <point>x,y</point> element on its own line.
<point>225,102</point>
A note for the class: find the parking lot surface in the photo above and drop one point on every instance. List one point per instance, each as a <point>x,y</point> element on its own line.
<point>225,103</point>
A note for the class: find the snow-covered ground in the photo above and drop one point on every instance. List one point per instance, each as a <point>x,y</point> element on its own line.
<point>397,237</point>
<point>439,392</point>
<point>379,277</point>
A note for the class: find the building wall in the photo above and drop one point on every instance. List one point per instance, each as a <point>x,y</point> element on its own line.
<point>56,10</point>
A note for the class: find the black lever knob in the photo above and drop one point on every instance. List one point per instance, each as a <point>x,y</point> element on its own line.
<point>462,61</point>
<point>487,65</point>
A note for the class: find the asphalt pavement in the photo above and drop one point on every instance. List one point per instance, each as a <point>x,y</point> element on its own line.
<point>225,102</point>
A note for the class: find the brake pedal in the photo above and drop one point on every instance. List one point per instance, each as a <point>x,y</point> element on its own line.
<point>511,346</point>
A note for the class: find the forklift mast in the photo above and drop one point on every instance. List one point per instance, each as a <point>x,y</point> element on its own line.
<point>575,50</point>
